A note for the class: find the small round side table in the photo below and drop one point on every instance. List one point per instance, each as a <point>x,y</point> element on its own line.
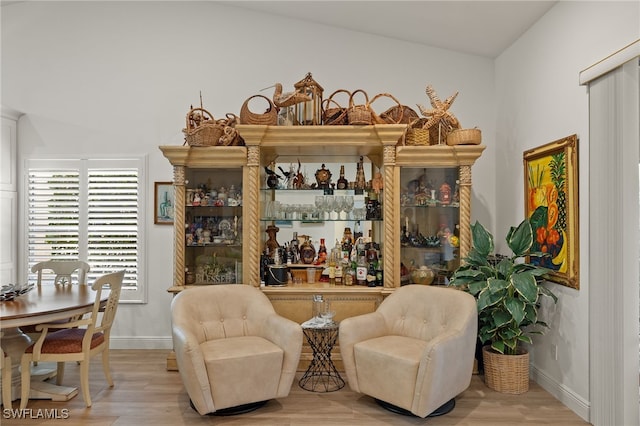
<point>322,375</point>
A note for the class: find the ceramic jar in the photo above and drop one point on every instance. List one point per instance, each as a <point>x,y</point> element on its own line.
<point>423,275</point>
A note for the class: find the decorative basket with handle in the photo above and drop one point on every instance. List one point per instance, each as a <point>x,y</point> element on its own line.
<point>268,118</point>
<point>202,129</point>
<point>359,114</point>
<point>393,115</point>
<point>332,112</point>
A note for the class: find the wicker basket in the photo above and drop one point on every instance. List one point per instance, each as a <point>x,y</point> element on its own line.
<point>506,373</point>
<point>202,129</point>
<point>332,112</point>
<point>268,118</point>
<point>399,114</point>
<point>416,133</point>
<point>393,115</point>
<point>359,114</point>
<point>464,137</point>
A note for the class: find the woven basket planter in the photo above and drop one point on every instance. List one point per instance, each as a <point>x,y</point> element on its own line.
<point>506,373</point>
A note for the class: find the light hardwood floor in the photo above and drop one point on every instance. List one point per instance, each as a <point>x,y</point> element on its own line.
<point>146,394</point>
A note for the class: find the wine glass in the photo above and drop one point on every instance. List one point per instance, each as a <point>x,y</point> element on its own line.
<point>320,205</point>
<point>329,206</point>
<point>339,205</point>
<point>348,205</point>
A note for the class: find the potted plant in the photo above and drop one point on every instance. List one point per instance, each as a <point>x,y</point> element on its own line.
<point>508,291</point>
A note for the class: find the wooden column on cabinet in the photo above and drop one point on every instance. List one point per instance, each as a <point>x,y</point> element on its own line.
<point>391,214</point>
<point>465,210</point>
<point>179,236</point>
<point>251,220</point>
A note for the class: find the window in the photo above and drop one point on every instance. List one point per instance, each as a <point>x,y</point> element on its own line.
<point>90,210</point>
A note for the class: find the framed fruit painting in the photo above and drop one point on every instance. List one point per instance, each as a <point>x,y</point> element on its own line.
<point>551,205</point>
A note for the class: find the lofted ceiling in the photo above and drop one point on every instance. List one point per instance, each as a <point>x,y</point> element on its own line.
<point>483,28</point>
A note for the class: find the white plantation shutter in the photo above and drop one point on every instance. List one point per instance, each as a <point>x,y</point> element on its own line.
<point>89,210</point>
<point>54,196</point>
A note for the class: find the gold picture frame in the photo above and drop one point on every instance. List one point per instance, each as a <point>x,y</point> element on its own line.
<point>164,203</point>
<point>551,205</point>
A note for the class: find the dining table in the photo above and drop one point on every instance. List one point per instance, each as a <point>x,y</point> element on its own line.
<point>45,303</point>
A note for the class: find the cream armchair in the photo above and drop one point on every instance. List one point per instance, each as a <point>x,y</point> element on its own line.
<point>415,353</point>
<point>233,351</point>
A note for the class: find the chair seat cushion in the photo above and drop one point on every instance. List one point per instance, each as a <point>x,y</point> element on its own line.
<point>244,369</point>
<point>387,368</point>
<point>67,341</point>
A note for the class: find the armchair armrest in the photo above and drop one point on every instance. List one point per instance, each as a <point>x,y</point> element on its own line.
<point>455,348</point>
<point>286,334</point>
<point>192,369</point>
<point>354,330</point>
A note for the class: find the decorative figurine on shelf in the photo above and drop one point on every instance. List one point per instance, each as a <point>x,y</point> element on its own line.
<point>272,176</point>
<point>377,183</point>
<point>323,177</point>
<point>298,178</point>
<point>272,244</point>
<point>445,193</point>
<point>196,199</point>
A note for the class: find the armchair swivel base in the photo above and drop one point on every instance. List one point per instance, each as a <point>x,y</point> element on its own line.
<point>234,411</point>
<point>440,411</point>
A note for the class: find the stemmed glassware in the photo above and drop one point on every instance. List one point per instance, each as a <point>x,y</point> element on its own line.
<point>321,206</point>
<point>348,205</point>
<point>330,206</point>
<point>339,205</point>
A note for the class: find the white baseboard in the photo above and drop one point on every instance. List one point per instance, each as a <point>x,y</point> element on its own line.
<point>149,342</point>
<point>574,402</point>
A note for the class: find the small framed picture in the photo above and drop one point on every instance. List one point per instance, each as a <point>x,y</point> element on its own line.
<point>164,202</point>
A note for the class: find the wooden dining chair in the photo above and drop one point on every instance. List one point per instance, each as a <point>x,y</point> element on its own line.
<point>62,270</point>
<point>78,340</point>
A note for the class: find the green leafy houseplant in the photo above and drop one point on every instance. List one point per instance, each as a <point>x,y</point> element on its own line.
<point>507,289</point>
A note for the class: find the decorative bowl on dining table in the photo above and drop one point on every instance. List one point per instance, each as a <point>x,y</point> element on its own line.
<point>11,291</point>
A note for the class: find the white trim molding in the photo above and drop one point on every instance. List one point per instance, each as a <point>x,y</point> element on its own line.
<point>610,63</point>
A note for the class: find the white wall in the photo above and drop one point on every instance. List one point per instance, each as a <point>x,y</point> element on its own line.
<point>100,78</point>
<point>538,101</point>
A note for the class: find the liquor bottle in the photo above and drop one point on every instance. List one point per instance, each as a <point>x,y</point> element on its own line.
<point>343,183</point>
<point>360,179</point>
<point>264,261</point>
<point>347,242</point>
<point>294,248</point>
<point>322,252</point>
<point>379,273</point>
<point>348,273</point>
<point>371,274</point>
<point>357,231</point>
<point>361,269</point>
<point>335,259</point>
<point>372,206</point>
<point>307,251</point>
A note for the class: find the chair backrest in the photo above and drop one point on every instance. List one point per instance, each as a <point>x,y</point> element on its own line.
<point>63,270</point>
<point>423,312</point>
<point>113,283</point>
<point>219,311</point>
